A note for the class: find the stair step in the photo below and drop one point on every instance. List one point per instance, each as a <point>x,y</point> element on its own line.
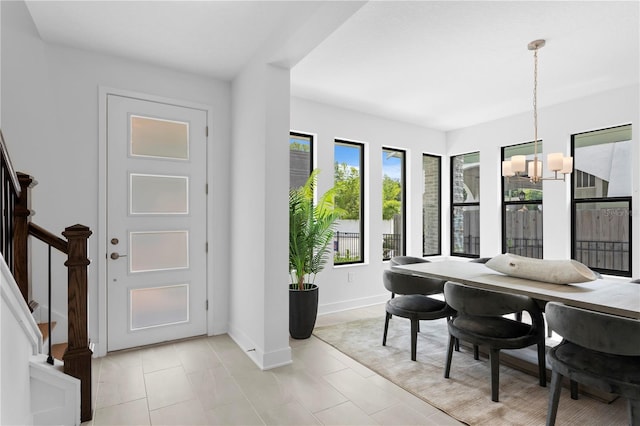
<point>58,349</point>
<point>44,329</point>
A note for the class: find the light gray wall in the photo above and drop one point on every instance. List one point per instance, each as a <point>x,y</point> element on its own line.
<point>327,124</point>
<point>51,127</point>
<point>260,165</point>
<point>556,125</point>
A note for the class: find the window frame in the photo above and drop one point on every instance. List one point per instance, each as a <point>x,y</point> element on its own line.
<point>439,207</point>
<point>361,147</point>
<point>504,204</point>
<point>463,204</point>
<point>575,202</point>
<point>403,212</point>
<point>311,138</point>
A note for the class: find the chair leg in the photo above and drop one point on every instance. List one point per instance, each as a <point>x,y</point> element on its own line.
<point>457,347</point>
<point>634,411</point>
<point>542,365</point>
<point>494,359</point>
<point>519,316</point>
<point>447,368</point>
<point>476,352</point>
<point>554,397</point>
<point>573,385</point>
<point>386,327</point>
<point>415,325</point>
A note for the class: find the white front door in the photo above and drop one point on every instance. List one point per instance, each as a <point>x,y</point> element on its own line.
<point>156,222</point>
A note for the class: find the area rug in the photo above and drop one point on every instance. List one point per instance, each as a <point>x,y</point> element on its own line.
<point>466,395</point>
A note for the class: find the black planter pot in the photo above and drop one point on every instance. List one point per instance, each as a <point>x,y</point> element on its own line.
<point>303,309</point>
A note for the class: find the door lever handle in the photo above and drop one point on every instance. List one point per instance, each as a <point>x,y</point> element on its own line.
<point>115,255</point>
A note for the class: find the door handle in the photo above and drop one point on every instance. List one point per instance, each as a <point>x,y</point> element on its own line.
<point>115,255</point>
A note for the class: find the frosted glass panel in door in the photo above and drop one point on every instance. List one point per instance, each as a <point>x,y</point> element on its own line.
<point>154,194</point>
<point>152,137</point>
<point>153,307</point>
<point>159,251</point>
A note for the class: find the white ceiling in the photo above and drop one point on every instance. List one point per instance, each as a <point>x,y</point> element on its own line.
<point>444,65</point>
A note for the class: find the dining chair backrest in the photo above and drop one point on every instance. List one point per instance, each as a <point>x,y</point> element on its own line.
<point>482,302</point>
<point>407,260</point>
<point>595,330</point>
<point>480,260</point>
<point>399,283</point>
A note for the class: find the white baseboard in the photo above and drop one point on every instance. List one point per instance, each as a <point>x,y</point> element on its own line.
<point>265,361</point>
<point>345,305</point>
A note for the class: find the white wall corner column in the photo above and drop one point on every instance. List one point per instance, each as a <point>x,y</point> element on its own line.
<point>259,303</point>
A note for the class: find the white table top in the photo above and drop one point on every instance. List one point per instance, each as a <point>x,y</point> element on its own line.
<point>608,296</point>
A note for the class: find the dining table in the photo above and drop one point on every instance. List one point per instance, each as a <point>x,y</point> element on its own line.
<point>611,296</point>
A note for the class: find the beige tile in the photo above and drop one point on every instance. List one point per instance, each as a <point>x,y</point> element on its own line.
<point>116,360</point>
<point>360,391</point>
<point>129,413</point>
<point>263,390</point>
<point>291,413</point>
<point>215,387</point>
<point>314,394</point>
<point>407,398</point>
<point>159,358</point>
<point>197,356</point>
<point>345,414</point>
<point>183,413</point>
<point>168,387</point>
<point>239,413</point>
<point>400,415</point>
<point>118,386</point>
<point>315,360</point>
<point>440,418</point>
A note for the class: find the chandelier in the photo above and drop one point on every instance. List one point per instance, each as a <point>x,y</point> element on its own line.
<point>556,162</point>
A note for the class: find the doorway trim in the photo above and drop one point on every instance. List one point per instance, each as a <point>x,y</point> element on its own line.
<point>100,259</point>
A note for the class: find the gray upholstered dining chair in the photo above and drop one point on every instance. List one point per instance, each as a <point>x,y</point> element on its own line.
<point>599,350</point>
<point>479,320</point>
<point>407,260</point>
<point>413,302</point>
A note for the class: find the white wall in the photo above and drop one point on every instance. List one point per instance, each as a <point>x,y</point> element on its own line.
<point>259,177</point>
<point>556,125</point>
<point>50,116</point>
<point>329,123</point>
<point>21,339</point>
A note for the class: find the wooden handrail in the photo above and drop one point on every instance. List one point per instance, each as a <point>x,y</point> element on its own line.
<point>21,213</point>
<point>15,229</point>
<point>6,164</point>
<point>48,238</point>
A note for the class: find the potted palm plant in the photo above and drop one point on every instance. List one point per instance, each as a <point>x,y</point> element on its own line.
<point>311,227</point>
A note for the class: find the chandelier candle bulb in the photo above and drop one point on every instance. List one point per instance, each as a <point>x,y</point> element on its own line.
<point>555,161</point>
<point>506,169</point>
<point>538,168</point>
<point>567,165</point>
<point>518,163</point>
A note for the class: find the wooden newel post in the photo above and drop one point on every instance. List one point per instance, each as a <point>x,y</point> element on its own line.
<point>77,357</point>
<point>21,215</point>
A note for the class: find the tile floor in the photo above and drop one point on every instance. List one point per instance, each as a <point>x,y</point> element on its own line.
<point>210,381</point>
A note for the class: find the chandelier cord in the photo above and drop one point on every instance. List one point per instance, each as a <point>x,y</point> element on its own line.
<point>535,111</point>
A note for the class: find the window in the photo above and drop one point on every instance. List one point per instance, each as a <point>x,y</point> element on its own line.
<point>348,243</point>
<point>465,205</point>
<point>393,205</point>
<point>601,200</point>
<point>521,208</point>
<point>300,158</point>
<point>431,218</point>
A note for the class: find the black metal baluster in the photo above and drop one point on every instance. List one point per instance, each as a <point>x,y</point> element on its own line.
<point>49,358</point>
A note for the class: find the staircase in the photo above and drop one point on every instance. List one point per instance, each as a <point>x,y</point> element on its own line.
<point>49,384</point>
<point>57,349</point>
